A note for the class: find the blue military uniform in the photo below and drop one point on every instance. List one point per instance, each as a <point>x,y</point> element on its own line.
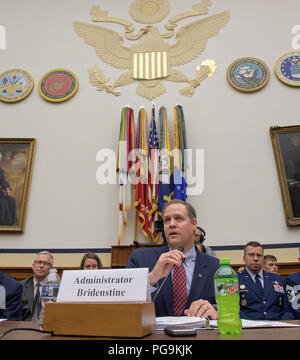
<point>271,305</point>
<point>293,293</point>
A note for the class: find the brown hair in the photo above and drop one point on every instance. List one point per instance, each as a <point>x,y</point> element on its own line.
<point>91,255</point>
<point>270,258</point>
<point>189,208</point>
<point>253,244</point>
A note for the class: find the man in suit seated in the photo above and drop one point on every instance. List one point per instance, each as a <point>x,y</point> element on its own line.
<point>32,286</point>
<point>10,298</point>
<point>293,291</point>
<point>262,294</point>
<point>194,294</point>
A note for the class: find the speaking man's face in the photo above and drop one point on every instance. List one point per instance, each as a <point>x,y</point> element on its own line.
<point>178,227</point>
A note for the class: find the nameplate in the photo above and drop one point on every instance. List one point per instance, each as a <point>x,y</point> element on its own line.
<point>114,285</point>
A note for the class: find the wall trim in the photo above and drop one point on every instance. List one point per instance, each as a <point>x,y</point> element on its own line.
<point>108,250</point>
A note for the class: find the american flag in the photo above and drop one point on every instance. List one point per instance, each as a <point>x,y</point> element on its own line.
<point>153,177</point>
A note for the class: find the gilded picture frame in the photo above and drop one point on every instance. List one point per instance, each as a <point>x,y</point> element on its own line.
<point>16,166</point>
<point>286,146</point>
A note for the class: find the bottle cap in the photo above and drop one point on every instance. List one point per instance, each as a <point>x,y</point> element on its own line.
<point>224,261</point>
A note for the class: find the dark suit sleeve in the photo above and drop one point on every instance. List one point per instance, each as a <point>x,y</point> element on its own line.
<point>133,261</point>
<point>13,309</point>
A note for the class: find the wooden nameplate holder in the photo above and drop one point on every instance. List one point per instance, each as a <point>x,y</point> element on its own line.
<point>100,319</point>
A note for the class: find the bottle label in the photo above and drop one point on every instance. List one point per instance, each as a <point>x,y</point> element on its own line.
<point>226,287</point>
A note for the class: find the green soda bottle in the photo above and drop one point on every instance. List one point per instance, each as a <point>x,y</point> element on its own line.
<point>227,298</point>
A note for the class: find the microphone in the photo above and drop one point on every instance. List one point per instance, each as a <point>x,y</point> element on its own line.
<point>181,248</point>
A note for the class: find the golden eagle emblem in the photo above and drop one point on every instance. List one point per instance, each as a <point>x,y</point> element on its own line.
<point>151,58</point>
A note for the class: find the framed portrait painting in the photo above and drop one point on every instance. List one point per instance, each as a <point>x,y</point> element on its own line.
<point>16,164</point>
<point>286,146</point>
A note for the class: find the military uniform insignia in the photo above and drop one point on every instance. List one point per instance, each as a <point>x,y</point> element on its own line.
<point>278,287</point>
<point>151,58</point>
<point>287,68</point>
<point>248,74</point>
<point>244,302</point>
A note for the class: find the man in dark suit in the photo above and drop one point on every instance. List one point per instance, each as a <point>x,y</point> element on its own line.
<point>262,294</point>
<point>41,266</point>
<point>180,223</point>
<point>10,298</point>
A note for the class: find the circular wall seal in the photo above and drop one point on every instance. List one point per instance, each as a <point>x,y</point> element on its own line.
<point>248,74</point>
<point>287,68</point>
<point>15,85</point>
<point>58,85</point>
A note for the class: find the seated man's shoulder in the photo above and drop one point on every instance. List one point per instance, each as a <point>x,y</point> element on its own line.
<point>27,280</point>
<point>210,260</point>
<point>9,281</point>
<point>294,278</point>
<point>275,277</point>
<point>144,251</point>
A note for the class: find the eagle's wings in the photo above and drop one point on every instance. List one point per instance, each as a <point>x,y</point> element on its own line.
<point>108,44</point>
<point>192,38</point>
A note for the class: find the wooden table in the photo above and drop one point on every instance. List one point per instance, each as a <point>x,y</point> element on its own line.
<point>290,333</point>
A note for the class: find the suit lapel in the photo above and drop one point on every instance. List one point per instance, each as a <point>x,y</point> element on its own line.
<point>200,277</point>
<point>168,296</point>
<point>267,283</point>
<point>166,292</point>
<point>29,291</point>
<point>249,282</point>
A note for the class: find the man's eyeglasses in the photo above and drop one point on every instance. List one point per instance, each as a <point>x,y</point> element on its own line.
<point>252,255</point>
<point>45,263</point>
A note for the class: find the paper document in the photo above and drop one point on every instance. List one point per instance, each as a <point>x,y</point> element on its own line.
<point>258,324</point>
<point>195,321</point>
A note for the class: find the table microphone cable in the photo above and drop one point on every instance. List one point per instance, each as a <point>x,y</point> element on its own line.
<point>23,329</point>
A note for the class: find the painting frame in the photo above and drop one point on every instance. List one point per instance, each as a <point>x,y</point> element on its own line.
<point>16,167</point>
<point>286,147</point>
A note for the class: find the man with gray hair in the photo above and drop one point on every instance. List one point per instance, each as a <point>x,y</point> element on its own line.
<point>31,297</point>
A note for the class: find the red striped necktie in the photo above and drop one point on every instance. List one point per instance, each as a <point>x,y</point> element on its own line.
<point>179,289</point>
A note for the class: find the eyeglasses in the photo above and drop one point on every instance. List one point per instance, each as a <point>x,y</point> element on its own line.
<point>252,255</point>
<point>45,263</point>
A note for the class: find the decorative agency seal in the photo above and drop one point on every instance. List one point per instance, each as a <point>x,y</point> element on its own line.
<point>58,85</point>
<point>287,68</point>
<point>248,74</point>
<point>15,85</point>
